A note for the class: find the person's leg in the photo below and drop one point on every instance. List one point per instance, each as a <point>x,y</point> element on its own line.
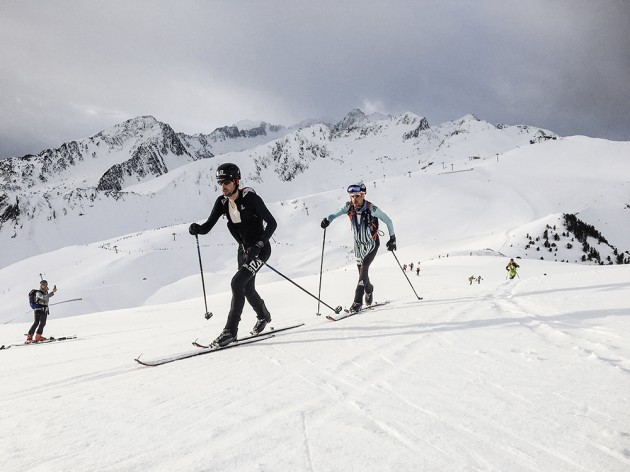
<point>243,284</point>
<point>31,331</point>
<point>42,321</point>
<point>252,296</point>
<point>364,285</point>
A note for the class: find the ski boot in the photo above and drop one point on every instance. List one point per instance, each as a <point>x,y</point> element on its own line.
<point>29,339</point>
<point>260,326</point>
<point>262,321</point>
<point>226,337</point>
<point>355,307</point>
<point>39,338</point>
<point>369,298</point>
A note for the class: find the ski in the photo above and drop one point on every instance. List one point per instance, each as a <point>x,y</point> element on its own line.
<point>34,343</point>
<point>186,355</point>
<point>271,331</point>
<point>348,314</point>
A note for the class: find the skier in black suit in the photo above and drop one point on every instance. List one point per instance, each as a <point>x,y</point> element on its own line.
<point>251,224</point>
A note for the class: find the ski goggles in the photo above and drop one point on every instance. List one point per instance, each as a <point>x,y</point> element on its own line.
<point>225,181</point>
<point>355,189</point>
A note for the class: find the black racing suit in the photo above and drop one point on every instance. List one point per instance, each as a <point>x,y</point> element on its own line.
<point>253,212</point>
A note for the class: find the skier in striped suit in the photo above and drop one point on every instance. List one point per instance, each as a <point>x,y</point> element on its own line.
<point>364,217</point>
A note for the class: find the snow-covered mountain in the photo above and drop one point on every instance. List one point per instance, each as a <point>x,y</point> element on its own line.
<point>465,185</point>
<point>135,151</point>
<point>93,176</point>
<point>88,177</point>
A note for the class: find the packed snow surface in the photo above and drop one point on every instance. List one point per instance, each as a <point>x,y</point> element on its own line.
<point>530,374</point>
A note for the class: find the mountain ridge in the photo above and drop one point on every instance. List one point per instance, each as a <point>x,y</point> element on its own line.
<point>148,164</point>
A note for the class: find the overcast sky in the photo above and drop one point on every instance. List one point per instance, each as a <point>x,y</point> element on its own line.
<point>71,68</point>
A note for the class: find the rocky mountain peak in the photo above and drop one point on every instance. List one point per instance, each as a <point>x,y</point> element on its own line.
<point>353,119</point>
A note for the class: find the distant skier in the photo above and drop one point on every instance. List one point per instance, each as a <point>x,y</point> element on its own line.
<point>511,268</point>
<point>364,217</point>
<point>471,279</point>
<point>418,271</point>
<point>39,302</point>
<point>479,279</point>
<point>246,212</point>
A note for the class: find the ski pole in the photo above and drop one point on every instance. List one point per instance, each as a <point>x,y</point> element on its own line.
<point>67,301</point>
<point>321,268</point>
<point>336,310</point>
<point>414,290</point>
<point>203,284</point>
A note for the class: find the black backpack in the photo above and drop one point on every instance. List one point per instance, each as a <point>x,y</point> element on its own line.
<point>32,300</point>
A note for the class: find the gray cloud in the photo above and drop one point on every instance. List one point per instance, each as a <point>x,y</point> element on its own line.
<point>75,67</point>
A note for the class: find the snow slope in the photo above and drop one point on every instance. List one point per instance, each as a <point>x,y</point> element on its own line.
<point>493,205</point>
<point>526,375</point>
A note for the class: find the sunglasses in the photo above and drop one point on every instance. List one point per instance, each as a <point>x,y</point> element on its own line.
<point>355,189</point>
<point>225,181</point>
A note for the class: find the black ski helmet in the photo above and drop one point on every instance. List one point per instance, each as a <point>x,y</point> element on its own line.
<point>229,171</point>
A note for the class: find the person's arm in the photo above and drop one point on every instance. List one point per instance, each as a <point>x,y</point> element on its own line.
<point>340,211</point>
<point>263,212</point>
<point>381,215</point>
<point>215,214</point>
<point>42,298</point>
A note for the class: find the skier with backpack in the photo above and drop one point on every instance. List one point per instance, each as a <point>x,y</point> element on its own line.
<point>364,217</point>
<point>246,212</point>
<point>38,299</point>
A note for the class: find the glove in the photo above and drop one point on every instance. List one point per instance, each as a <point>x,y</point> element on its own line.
<point>194,229</point>
<point>325,223</point>
<point>254,251</point>
<point>391,244</point>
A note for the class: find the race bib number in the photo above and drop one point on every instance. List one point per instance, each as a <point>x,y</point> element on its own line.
<point>254,265</point>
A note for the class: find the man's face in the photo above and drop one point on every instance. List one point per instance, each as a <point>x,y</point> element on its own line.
<point>227,186</point>
<point>43,286</point>
<point>356,200</point>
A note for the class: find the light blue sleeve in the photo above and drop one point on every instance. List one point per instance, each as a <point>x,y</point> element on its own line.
<point>341,211</point>
<point>384,218</point>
